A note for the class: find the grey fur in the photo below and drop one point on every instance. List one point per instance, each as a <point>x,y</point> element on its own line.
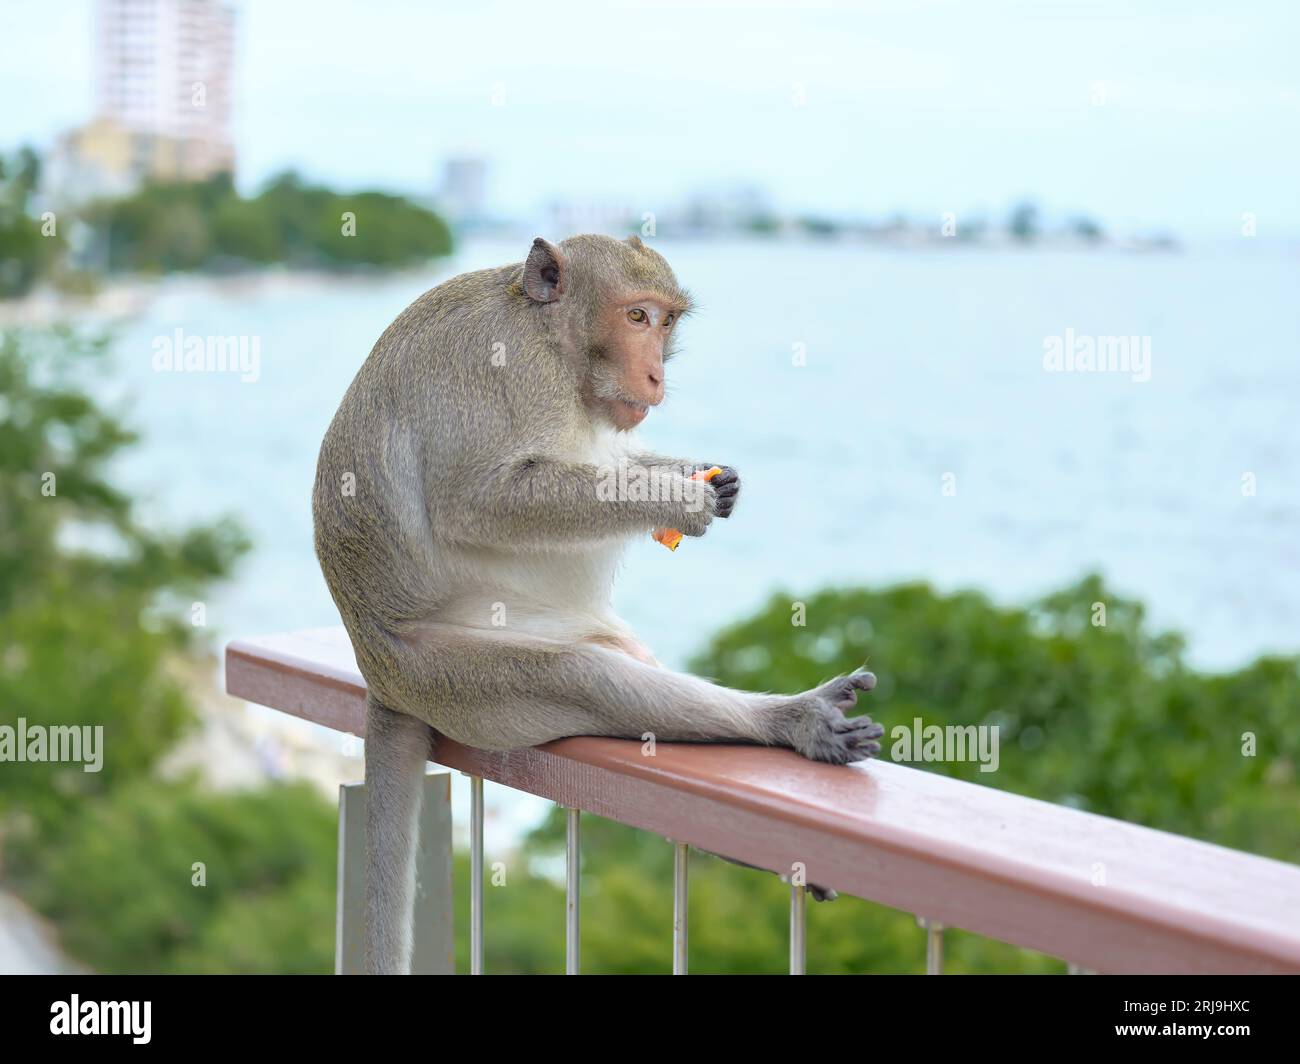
<point>473,559</point>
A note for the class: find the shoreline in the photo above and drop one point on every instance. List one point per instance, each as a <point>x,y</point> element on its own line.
<point>120,297</point>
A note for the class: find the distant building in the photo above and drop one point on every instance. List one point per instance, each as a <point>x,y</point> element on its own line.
<point>722,209</point>
<point>566,217</point>
<point>462,192</point>
<point>163,84</point>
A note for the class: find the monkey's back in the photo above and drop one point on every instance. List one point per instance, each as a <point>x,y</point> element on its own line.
<point>446,395</point>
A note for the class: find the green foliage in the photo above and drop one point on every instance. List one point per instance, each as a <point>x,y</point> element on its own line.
<point>1088,229</point>
<point>26,252</point>
<point>93,604</point>
<point>94,610</point>
<point>762,224</point>
<point>208,225</point>
<point>124,891</point>
<point>1023,223</point>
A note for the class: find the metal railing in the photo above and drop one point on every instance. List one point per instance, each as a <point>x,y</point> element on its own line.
<point>1104,894</point>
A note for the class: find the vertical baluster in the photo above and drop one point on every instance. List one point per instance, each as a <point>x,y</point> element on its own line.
<point>572,844</point>
<point>798,929</point>
<point>681,857</point>
<point>933,945</point>
<point>476,875</point>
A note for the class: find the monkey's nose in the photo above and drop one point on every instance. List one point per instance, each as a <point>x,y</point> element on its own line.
<point>656,375</point>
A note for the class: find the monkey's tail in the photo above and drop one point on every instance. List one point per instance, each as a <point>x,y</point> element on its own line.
<point>397,746</point>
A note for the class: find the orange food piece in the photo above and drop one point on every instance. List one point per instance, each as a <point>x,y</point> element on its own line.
<point>670,537</point>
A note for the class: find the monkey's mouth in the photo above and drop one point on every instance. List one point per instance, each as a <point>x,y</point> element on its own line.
<point>631,410</point>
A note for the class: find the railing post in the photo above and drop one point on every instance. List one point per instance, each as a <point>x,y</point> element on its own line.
<point>798,929</point>
<point>681,863</point>
<point>434,950</point>
<point>572,873</point>
<point>933,945</point>
<point>476,875</point>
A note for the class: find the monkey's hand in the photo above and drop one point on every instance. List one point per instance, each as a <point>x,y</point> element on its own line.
<point>698,507</point>
<point>726,487</point>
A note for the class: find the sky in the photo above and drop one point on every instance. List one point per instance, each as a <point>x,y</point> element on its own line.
<point>1154,115</point>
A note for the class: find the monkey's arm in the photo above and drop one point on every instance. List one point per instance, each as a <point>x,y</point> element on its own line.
<point>540,500</point>
<point>681,466</point>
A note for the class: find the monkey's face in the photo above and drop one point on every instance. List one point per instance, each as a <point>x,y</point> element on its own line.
<point>633,340</point>
<point>622,304</point>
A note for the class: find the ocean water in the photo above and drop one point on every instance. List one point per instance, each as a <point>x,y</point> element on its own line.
<point>889,412</point>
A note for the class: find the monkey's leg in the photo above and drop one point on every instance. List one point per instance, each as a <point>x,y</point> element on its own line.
<point>498,690</point>
<point>642,653</point>
<point>397,747</point>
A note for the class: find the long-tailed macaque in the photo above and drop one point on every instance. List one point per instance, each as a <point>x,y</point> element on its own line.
<point>473,496</point>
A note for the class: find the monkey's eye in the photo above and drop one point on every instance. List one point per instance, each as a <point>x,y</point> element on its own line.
<point>669,320</point>
<point>638,315</point>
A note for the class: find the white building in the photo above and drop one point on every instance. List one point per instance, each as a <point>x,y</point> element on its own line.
<point>166,67</point>
<point>164,76</point>
<point>462,193</point>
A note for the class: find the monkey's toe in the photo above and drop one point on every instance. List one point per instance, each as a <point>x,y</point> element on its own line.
<point>861,733</point>
<point>842,692</point>
<point>827,735</point>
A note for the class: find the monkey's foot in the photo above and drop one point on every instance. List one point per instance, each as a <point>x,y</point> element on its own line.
<point>821,893</point>
<point>822,732</point>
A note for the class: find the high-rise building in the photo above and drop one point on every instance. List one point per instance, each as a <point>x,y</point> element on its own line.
<point>163,84</point>
<point>164,68</point>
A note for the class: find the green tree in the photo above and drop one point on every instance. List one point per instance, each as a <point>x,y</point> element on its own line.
<point>163,877</point>
<point>207,225</point>
<point>1023,223</point>
<point>93,603</point>
<point>29,249</point>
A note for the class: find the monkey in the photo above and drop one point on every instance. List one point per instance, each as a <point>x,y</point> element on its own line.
<point>474,494</point>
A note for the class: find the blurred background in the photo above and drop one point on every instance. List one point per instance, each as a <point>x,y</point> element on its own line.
<point>999,321</point>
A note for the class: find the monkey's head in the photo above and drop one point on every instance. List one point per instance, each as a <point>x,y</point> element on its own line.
<point>613,307</point>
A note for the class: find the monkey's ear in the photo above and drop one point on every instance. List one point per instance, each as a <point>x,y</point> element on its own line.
<point>544,272</point>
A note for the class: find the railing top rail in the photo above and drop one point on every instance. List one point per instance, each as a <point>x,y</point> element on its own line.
<point>1106,894</point>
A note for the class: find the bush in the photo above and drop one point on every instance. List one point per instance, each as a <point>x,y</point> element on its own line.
<point>123,887</point>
